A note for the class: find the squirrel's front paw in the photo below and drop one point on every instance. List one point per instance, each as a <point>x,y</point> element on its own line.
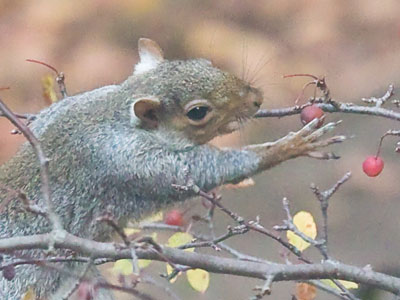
<point>306,141</point>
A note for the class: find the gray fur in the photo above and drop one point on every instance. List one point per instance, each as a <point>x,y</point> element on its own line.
<point>100,159</point>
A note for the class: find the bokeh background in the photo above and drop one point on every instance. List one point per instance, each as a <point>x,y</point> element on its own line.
<point>356,44</point>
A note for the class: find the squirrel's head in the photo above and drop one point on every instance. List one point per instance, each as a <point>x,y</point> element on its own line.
<point>191,97</point>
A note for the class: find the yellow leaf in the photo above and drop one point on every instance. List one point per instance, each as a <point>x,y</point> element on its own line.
<point>176,240</point>
<point>29,294</point>
<point>179,239</point>
<point>169,271</point>
<point>49,93</point>
<point>347,284</point>
<point>130,231</point>
<point>123,266</point>
<point>198,279</point>
<point>153,218</point>
<point>305,223</point>
<point>143,263</point>
<point>305,291</point>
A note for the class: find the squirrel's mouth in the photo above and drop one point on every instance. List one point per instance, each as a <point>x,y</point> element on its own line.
<point>229,127</point>
<point>235,124</point>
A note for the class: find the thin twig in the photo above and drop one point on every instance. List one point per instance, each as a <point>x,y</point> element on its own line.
<point>250,224</point>
<point>323,198</point>
<point>110,221</point>
<point>330,290</point>
<point>289,225</point>
<point>43,161</point>
<point>345,292</point>
<point>81,278</point>
<point>379,101</point>
<point>60,79</point>
<point>265,289</point>
<point>241,229</point>
<point>29,117</point>
<point>388,133</point>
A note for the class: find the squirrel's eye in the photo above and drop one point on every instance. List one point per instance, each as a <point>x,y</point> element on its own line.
<point>198,113</point>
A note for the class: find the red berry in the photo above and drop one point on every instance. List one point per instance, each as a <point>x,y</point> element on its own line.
<point>206,204</point>
<point>373,165</point>
<point>311,112</point>
<point>9,272</point>
<point>174,217</point>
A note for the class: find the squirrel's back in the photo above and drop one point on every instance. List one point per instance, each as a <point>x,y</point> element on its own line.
<point>120,149</point>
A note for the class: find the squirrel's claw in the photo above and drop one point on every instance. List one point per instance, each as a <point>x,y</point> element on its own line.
<point>321,131</point>
<point>322,155</point>
<point>313,143</point>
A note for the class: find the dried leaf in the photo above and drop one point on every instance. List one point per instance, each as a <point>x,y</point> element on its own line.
<point>305,291</point>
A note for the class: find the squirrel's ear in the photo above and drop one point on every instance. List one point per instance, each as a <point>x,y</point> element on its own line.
<point>150,55</point>
<point>146,110</point>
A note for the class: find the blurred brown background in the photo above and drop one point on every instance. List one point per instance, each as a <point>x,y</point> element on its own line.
<point>356,44</point>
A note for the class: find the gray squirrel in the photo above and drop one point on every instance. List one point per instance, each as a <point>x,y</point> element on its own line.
<point>123,147</point>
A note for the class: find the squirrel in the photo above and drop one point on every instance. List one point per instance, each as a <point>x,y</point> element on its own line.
<point>123,147</point>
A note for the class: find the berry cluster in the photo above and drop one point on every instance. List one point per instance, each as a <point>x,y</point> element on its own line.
<point>372,165</point>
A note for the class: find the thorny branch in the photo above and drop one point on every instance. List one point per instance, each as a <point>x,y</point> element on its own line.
<point>322,244</point>
<point>257,268</point>
<point>255,226</point>
<point>327,270</point>
<point>323,198</point>
<point>43,161</point>
<point>60,78</point>
<point>334,106</point>
<point>244,226</point>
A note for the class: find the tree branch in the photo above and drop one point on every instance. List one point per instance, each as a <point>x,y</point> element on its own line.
<point>281,272</point>
<point>331,108</point>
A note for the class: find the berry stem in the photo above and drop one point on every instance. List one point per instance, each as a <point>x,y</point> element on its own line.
<point>43,63</point>
<point>380,145</point>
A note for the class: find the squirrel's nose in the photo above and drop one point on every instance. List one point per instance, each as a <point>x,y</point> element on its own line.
<point>255,97</point>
